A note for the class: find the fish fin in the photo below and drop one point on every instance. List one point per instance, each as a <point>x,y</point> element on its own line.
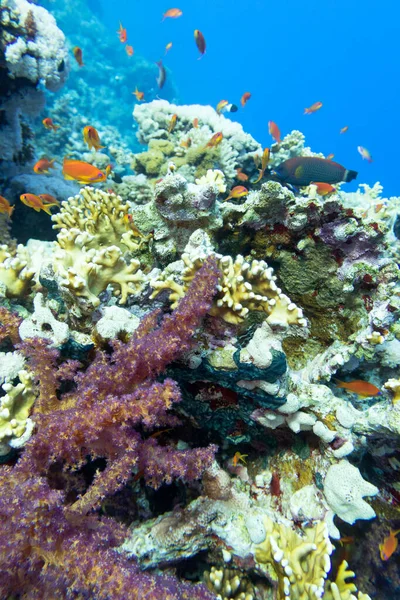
<point>46,208</point>
<point>349,176</point>
<point>69,177</point>
<point>36,208</point>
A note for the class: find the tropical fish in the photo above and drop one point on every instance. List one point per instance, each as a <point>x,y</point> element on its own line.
<point>221,105</point>
<point>264,163</point>
<point>200,42</point>
<point>344,129</point>
<point>246,96</point>
<point>302,170</point>
<point>5,206</point>
<point>172,13</point>
<point>240,175</point>
<point>215,140</point>
<point>365,153</point>
<point>323,189</point>
<point>77,52</point>
<point>172,123</point>
<point>274,131</point>
<point>83,172</point>
<point>186,143</point>
<point>313,108</point>
<point>35,202</point>
<point>129,50</point>
<point>237,192</point>
<point>168,47</point>
<point>91,137</point>
<point>123,36</point>
<point>139,95</point>
<point>48,123</point>
<point>162,75</point>
<point>389,545</point>
<point>49,199</point>
<point>43,165</point>
<point>195,123</point>
<point>360,387</point>
<point>239,457</point>
<point>330,156</point>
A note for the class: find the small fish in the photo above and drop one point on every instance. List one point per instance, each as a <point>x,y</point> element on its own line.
<point>35,202</point>
<point>237,192</point>
<point>5,206</point>
<point>129,50</point>
<point>365,153</point>
<point>215,140</point>
<point>257,160</point>
<point>195,123</point>
<point>77,52</point>
<point>123,36</point>
<point>240,175</point>
<point>200,42</point>
<point>246,96</point>
<point>49,199</point>
<point>139,95</point>
<point>172,123</point>
<point>221,105</point>
<point>323,189</point>
<point>168,47</point>
<point>48,123</point>
<point>172,13</point>
<point>162,75</point>
<point>83,172</point>
<point>360,387</point>
<point>389,545</point>
<point>186,143</point>
<point>330,156</point>
<point>344,129</point>
<point>274,131</point>
<point>91,137</point>
<point>239,457</point>
<point>43,165</point>
<point>313,108</point>
<point>300,171</point>
<point>264,163</point>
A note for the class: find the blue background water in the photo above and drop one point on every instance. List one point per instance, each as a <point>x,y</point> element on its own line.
<point>288,54</point>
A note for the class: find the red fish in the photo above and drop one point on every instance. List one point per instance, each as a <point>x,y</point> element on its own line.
<point>48,123</point>
<point>5,206</point>
<point>240,175</point>
<point>389,545</point>
<point>246,96</point>
<point>360,387</point>
<point>129,50</point>
<point>344,129</point>
<point>323,189</point>
<point>139,95</point>
<point>91,137</point>
<point>43,165</point>
<point>313,108</point>
<point>83,172</point>
<point>200,42</point>
<point>237,192</point>
<point>274,131</point>
<point>49,199</point>
<point>162,75</point>
<point>77,52</point>
<point>123,36</point>
<point>215,140</point>
<point>172,13</point>
<point>35,202</point>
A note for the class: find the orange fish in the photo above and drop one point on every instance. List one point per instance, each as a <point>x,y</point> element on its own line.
<point>186,143</point>
<point>330,156</point>
<point>139,95</point>
<point>264,163</point>
<point>35,202</point>
<point>172,123</point>
<point>43,165</point>
<point>200,42</point>
<point>237,192</point>
<point>246,96</point>
<point>221,105</point>
<point>237,457</point>
<point>83,172</point>
<point>195,123</point>
<point>389,545</point>
<point>122,34</point>
<point>48,123</point>
<point>91,137</point>
<point>172,13</point>
<point>360,387</point>
<point>274,131</point>
<point>240,175</point>
<point>5,206</point>
<point>168,47</point>
<point>215,140</point>
<point>129,50</point>
<point>77,52</point>
<point>49,199</point>
<point>323,189</point>
<point>344,129</point>
<point>313,108</point>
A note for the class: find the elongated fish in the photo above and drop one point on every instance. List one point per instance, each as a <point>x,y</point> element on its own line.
<point>302,170</point>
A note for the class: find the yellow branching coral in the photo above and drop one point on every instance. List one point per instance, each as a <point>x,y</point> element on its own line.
<point>340,589</point>
<point>243,287</point>
<point>15,408</point>
<point>16,278</point>
<point>229,584</point>
<point>393,385</point>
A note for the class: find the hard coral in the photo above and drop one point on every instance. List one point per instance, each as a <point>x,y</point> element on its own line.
<point>16,277</point>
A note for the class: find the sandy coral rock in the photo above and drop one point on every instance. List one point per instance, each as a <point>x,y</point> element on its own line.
<point>15,408</point>
<point>42,323</point>
<point>177,200</point>
<point>115,322</point>
<point>16,275</point>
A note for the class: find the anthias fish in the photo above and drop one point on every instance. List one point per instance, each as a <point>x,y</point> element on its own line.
<point>162,75</point>
<point>365,153</point>
<point>215,140</point>
<point>221,105</point>
<point>246,96</point>
<point>237,192</point>
<point>172,13</point>
<point>49,199</point>
<point>172,123</point>
<point>77,52</point>
<point>83,172</point>
<point>48,124</point>
<point>43,166</point>
<point>168,47</point>
<point>344,129</point>
<point>139,95</point>
<point>200,41</point>
<point>129,50</point>
<point>264,163</point>
<point>360,387</point>
<point>274,131</point>
<point>5,206</point>
<point>323,189</point>
<point>36,203</point>
<point>389,545</point>
<point>123,36</point>
<point>313,108</point>
<point>302,170</point>
<point>91,137</point>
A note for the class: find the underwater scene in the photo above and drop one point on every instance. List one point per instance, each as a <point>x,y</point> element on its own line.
<point>199,300</point>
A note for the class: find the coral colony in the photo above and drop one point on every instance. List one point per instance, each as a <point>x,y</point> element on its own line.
<point>199,372</point>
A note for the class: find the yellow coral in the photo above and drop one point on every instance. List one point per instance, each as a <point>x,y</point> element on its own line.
<point>229,584</point>
<point>213,177</point>
<point>16,278</point>
<point>15,408</point>
<point>340,589</point>
<point>243,287</point>
<point>393,385</point>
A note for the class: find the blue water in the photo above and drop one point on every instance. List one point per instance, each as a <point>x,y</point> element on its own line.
<point>288,54</point>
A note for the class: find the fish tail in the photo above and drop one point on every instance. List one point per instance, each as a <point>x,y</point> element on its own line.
<point>47,207</point>
<point>349,175</point>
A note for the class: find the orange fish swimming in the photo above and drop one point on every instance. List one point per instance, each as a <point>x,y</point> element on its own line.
<point>389,545</point>
<point>323,189</point>
<point>5,206</point>
<point>200,42</point>
<point>186,143</point>
<point>344,129</point>
<point>330,156</point>
<point>237,192</point>
<point>274,131</point>
<point>195,123</point>
<point>83,172</point>
<point>172,13</point>
<point>49,199</point>
<point>123,36</point>
<point>215,140</point>
<point>48,123</point>
<point>129,50</point>
<point>360,387</point>
<point>91,137</point>
<point>168,47</point>
<point>221,105</point>
<point>239,457</point>
<point>264,163</point>
<point>77,52</point>
<point>139,95</point>
<point>240,175</point>
<point>246,96</point>
<point>43,165</point>
<point>172,123</point>
<point>313,108</point>
<point>36,203</point>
